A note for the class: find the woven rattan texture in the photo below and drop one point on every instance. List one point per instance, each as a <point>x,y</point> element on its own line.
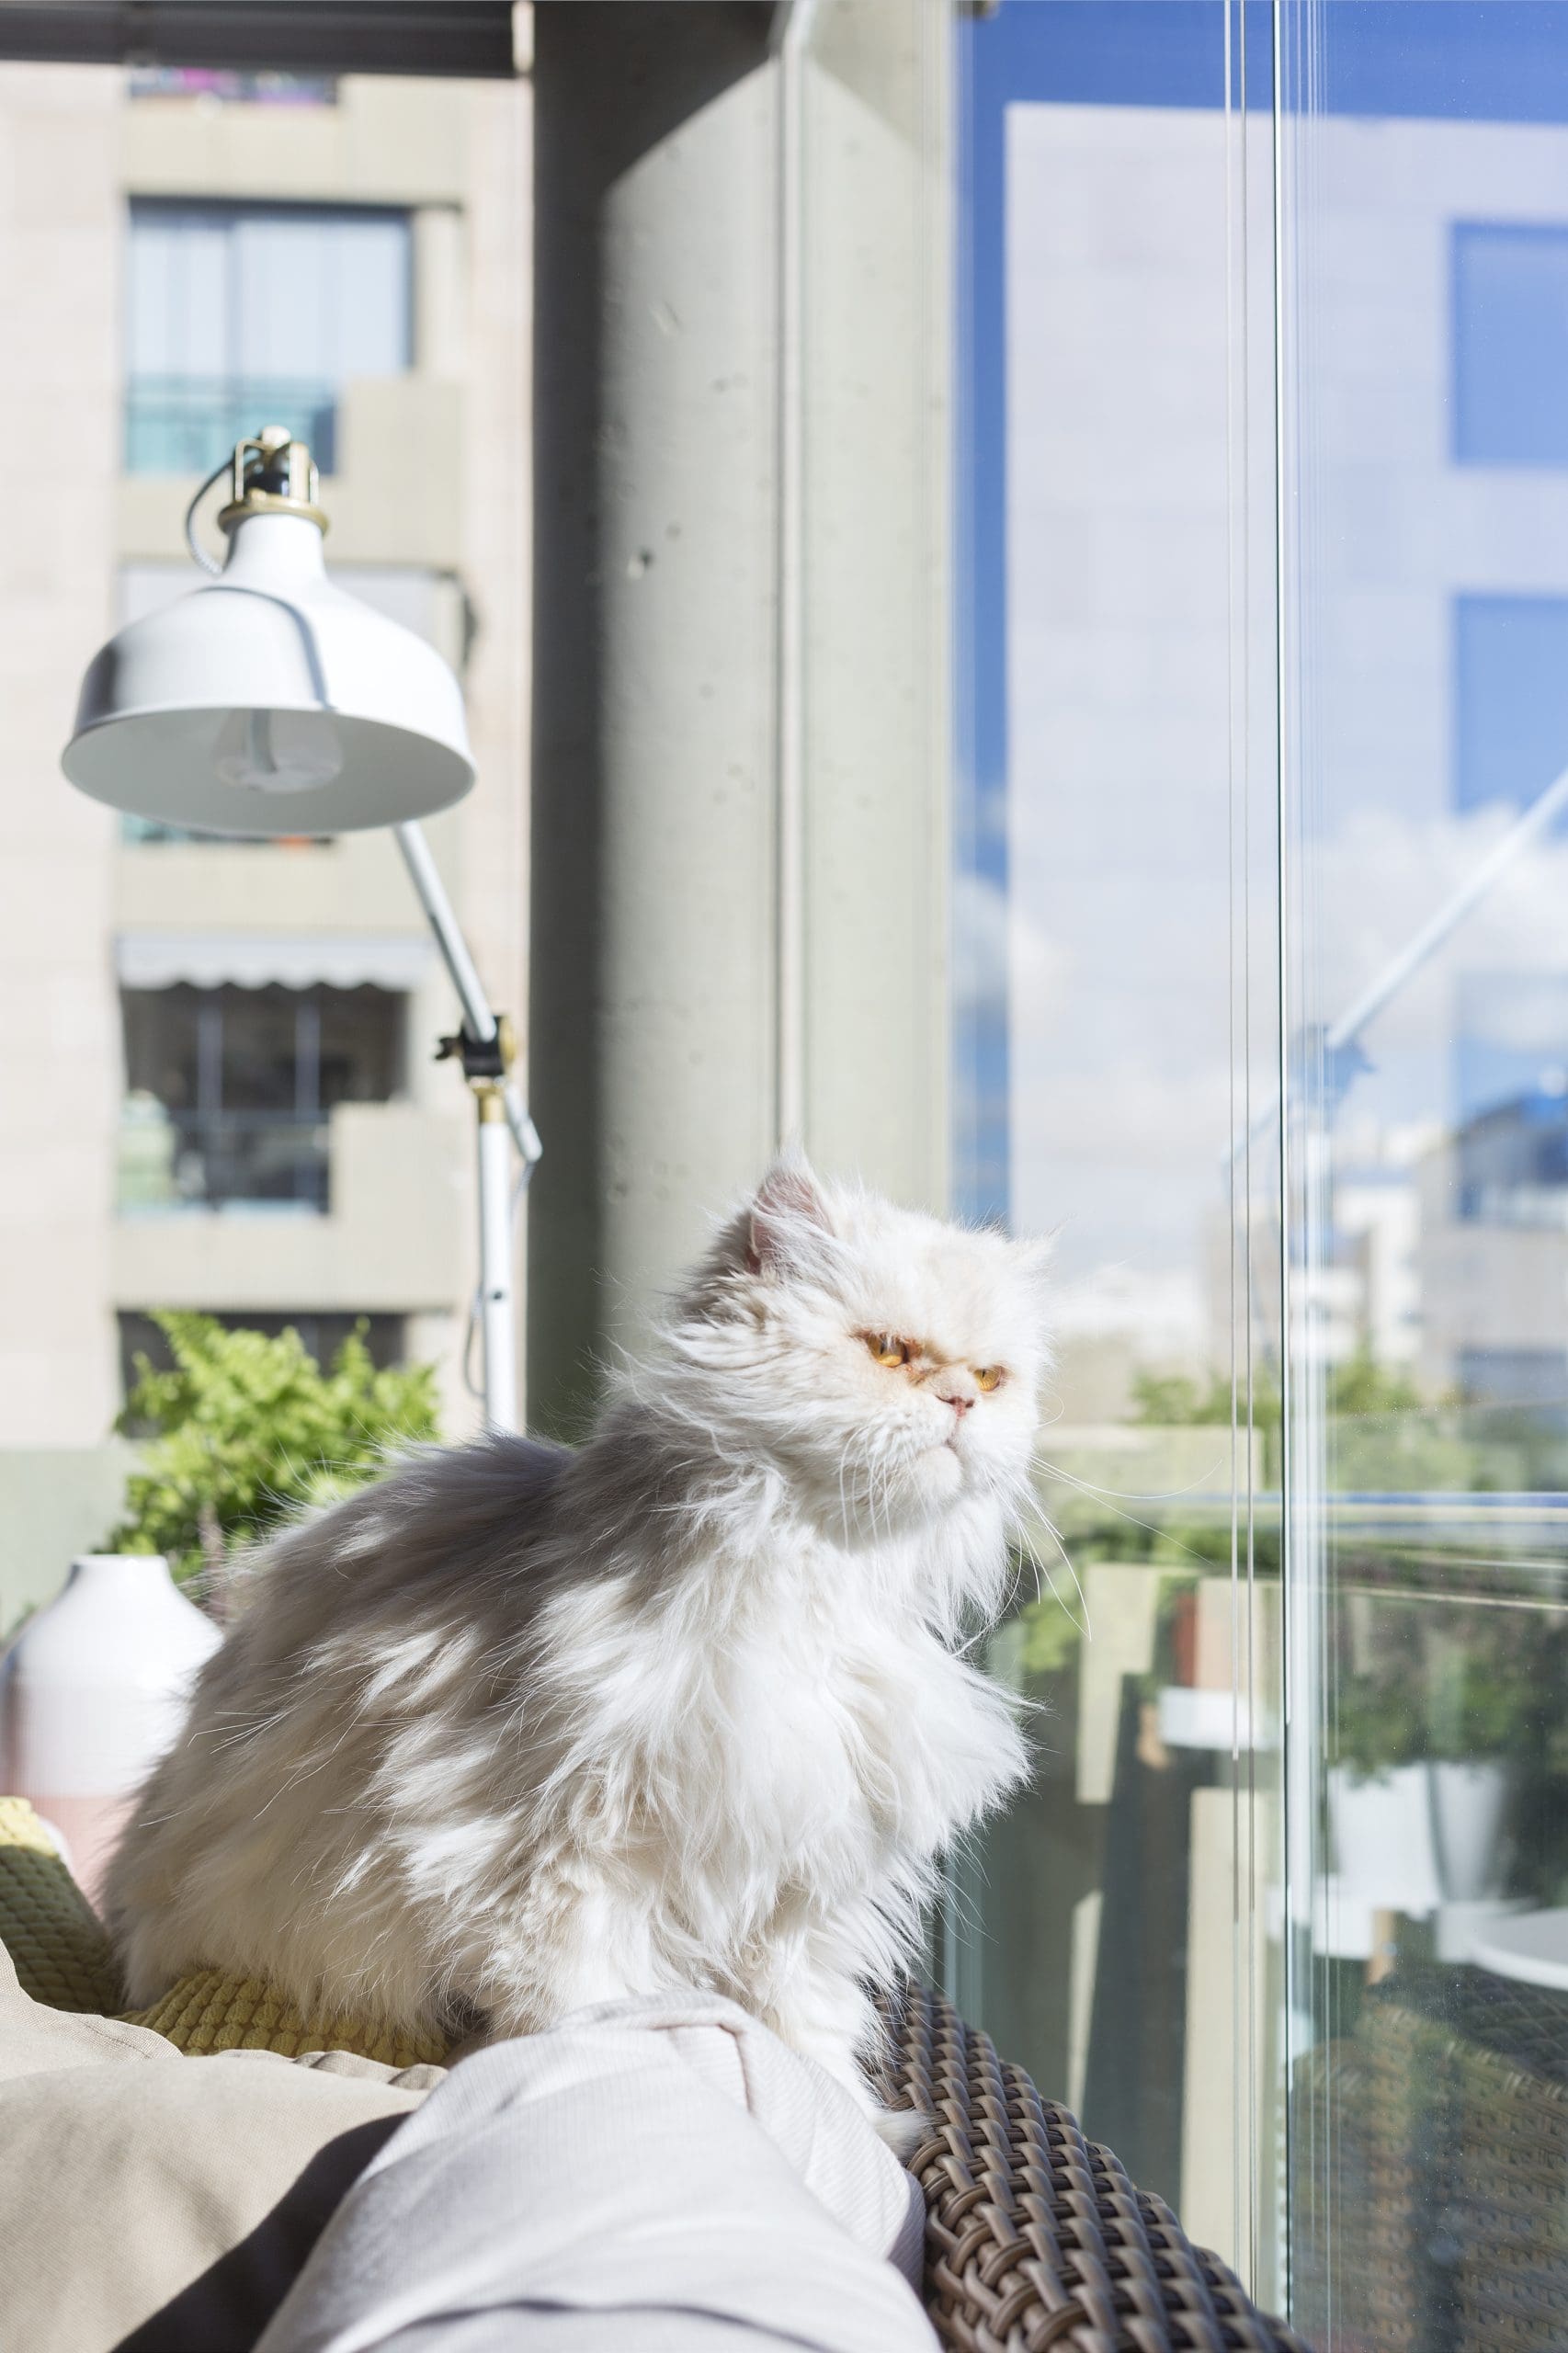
<point>47,1925</point>
<point>1034,2236</point>
<point>1356,2257</point>
<point>1432,2182</point>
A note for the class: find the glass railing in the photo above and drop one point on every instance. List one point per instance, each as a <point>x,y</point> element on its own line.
<point>183,425</point>
<point>269,1161</point>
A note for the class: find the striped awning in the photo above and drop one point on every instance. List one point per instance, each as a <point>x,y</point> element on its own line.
<point>254,959</point>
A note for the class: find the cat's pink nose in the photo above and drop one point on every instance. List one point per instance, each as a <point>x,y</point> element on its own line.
<point>960,1405</point>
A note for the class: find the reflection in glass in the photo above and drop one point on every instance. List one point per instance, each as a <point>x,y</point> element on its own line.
<point>1117,1065</point>
<point>1425,801</point>
<point>1267,1008</point>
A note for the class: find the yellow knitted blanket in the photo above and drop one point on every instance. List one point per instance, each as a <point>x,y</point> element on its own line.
<point>62,1958</point>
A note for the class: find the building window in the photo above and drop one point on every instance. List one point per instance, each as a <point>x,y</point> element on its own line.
<point>1510,695</point>
<point>1510,342</point>
<point>228,1091</point>
<point>1536,1378</point>
<point>1510,741</point>
<point>1511,1160</point>
<point>321,1334</point>
<point>245,315</point>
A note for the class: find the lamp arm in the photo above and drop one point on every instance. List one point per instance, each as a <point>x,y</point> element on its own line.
<point>478,1020</point>
<point>1436,930</point>
<point>1343,1032</point>
<point>484,1048</point>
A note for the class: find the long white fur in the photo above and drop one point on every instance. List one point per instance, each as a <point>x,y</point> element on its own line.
<point>518,1729</point>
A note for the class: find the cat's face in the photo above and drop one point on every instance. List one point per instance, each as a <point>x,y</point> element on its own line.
<point>888,1363</point>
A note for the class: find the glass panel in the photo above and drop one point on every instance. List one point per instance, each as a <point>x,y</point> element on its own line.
<point>1358,1999</point>
<point>179,424</point>
<point>259,1046</point>
<point>1423,330</point>
<point>177,292</point>
<point>160,1050</point>
<point>1117,1059</point>
<point>321,294</point>
<point>237,311</point>
<point>360,1045</point>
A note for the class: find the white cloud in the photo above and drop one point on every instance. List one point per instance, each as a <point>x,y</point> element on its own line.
<point>1382,876</point>
<point>997,948</point>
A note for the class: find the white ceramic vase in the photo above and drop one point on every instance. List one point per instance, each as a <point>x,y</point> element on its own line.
<point>1384,1845</point>
<point>1470,1804</point>
<point>93,1692</point>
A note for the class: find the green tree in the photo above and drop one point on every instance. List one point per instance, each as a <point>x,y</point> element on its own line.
<point>1360,1386</point>
<point>1359,1389</point>
<point>242,1430</point>
<point>1178,1400</point>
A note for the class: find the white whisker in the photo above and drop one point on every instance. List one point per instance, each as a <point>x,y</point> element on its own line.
<point>1086,1629</point>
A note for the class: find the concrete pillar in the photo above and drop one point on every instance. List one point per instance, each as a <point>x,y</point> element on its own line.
<point>875,592</point>
<point>738,903</point>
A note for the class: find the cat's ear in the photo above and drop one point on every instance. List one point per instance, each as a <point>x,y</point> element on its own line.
<point>1033,1260</point>
<point>788,1216</point>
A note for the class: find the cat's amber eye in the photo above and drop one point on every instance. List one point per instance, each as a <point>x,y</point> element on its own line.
<point>988,1376</point>
<point>887,1348</point>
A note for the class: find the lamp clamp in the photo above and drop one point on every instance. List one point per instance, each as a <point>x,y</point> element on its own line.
<point>486,1061</point>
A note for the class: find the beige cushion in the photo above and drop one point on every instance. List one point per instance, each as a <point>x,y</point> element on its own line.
<point>157,2203</point>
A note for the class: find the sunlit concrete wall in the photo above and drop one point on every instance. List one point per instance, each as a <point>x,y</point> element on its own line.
<point>60,257</point>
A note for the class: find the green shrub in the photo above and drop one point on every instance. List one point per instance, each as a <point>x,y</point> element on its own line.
<point>1169,1400</point>
<point>244,1428</point>
<point>1378,1725</point>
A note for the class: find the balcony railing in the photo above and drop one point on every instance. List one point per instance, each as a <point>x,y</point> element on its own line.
<point>198,82</point>
<point>265,1161</point>
<point>183,425</point>
<point>141,833</point>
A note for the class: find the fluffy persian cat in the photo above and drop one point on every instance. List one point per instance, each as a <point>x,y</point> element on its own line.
<point>519,1728</point>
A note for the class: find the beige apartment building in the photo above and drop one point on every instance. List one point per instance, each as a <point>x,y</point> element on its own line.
<point>217,1087</point>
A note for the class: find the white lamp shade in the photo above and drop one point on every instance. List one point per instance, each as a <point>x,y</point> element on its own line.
<point>270,701</point>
